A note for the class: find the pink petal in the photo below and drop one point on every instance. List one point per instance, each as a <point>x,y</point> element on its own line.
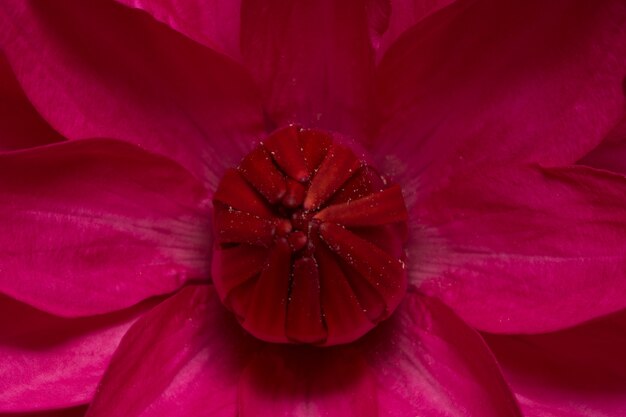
<point>184,358</point>
<point>308,382</point>
<point>99,69</point>
<point>578,372</point>
<point>20,124</point>
<point>403,15</point>
<point>486,82</point>
<point>313,61</point>
<point>97,225</point>
<point>611,153</point>
<point>429,363</point>
<point>65,412</point>
<point>215,24</point>
<point>526,250</point>
<point>48,361</point>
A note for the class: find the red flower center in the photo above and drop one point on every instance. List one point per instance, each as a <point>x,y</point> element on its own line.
<point>309,241</point>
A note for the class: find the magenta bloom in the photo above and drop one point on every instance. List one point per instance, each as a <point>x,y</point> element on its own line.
<point>313,208</point>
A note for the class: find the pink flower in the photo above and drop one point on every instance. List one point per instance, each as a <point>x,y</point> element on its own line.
<point>502,121</point>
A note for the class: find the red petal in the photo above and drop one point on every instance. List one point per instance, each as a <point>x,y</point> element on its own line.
<point>215,24</point>
<point>313,61</point>
<point>21,126</point>
<point>578,372</point>
<point>611,153</point>
<point>284,147</point>
<point>428,362</point>
<point>370,300</point>
<point>381,270</point>
<point>308,382</point>
<point>240,298</point>
<point>315,145</point>
<point>183,358</point>
<point>52,362</point>
<point>405,14</point>
<point>238,227</point>
<point>266,314</point>
<point>516,90</point>
<point>294,197</point>
<point>390,238</point>
<point>235,192</point>
<point>373,210</point>
<point>97,225</point>
<point>339,164</point>
<point>259,169</point>
<point>343,314</point>
<point>63,412</point>
<point>304,315</point>
<point>528,250</point>
<point>99,69</point>
<point>364,182</point>
<point>231,267</point>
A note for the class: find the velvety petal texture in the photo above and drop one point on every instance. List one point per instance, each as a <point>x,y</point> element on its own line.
<point>535,82</point>
<point>183,358</point>
<point>313,61</point>
<point>478,109</point>
<point>403,15</point>
<point>51,362</point>
<point>611,153</point>
<point>21,126</point>
<point>215,23</point>
<point>308,382</point>
<point>97,225</point>
<point>65,412</point>
<point>527,250</point>
<point>100,69</point>
<point>578,372</point>
<point>428,363</point>
<point>188,357</point>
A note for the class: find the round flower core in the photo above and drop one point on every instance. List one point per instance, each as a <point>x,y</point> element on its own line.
<point>309,241</point>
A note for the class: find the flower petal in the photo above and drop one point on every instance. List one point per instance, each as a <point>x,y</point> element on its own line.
<point>99,69</point>
<point>404,14</point>
<point>96,225</point>
<point>20,124</point>
<point>313,60</point>
<point>429,363</point>
<point>611,153</point>
<point>183,358</point>
<point>578,372</point>
<point>215,24</point>
<point>50,362</point>
<point>527,250</point>
<point>307,382</point>
<point>485,82</point>
<point>65,412</point>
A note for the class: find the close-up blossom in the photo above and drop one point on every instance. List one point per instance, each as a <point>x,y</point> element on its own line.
<point>309,208</point>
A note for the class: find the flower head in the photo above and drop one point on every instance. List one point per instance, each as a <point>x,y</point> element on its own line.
<point>308,241</point>
<point>312,208</point>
